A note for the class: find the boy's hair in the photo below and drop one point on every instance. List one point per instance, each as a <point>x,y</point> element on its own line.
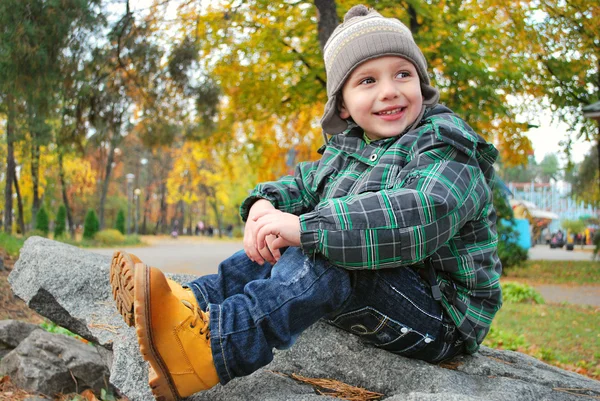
<point>365,34</point>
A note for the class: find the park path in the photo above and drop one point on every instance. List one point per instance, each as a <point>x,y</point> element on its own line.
<point>202,255</point>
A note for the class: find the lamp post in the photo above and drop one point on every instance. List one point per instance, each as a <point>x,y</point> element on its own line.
<point>130,177</point>
<point>137,193</point>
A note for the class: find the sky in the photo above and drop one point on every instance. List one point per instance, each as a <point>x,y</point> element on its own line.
<point>546,138</point>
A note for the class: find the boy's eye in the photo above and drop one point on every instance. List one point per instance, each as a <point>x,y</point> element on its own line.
<point>366,81</point>
<point>403,74</point>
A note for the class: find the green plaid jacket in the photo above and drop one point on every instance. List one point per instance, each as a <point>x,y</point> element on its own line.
<point>422,199</point>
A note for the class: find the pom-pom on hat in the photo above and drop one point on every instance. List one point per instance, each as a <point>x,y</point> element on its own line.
<point>365,34</point>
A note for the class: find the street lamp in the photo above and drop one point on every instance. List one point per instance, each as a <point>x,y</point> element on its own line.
<point>130,177</point>
<point>137,193</point>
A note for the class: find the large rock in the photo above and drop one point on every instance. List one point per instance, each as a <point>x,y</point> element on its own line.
<point>12,332</point>
<point>54,363</point>
<point>70,286</point>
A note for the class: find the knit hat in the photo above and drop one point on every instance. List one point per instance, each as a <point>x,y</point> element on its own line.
<point>365,34</point>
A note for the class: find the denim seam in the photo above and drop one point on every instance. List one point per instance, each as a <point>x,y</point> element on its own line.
<point>416,306</point>
<point>412,346</point>
<point>222,348</point>
<point>201,293</point>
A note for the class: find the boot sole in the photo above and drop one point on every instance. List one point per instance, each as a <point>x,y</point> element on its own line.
<point>158,377</point>
<point>122,271</point>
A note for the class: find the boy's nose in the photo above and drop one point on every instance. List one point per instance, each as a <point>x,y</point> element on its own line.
<point>389,90</point>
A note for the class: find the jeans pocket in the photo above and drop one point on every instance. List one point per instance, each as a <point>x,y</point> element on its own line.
<point>373,327</point>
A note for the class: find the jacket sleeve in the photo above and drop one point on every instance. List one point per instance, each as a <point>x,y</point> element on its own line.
<point>404,223</point>
<point>292,193</point>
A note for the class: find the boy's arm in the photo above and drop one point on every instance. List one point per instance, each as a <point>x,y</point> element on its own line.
<point>406,223</point>
<point>291,194</point>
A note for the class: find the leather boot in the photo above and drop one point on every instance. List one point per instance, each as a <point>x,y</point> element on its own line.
<point>174,337</point>
<point>121,280</point>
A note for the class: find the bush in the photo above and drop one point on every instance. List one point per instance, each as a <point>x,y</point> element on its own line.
<point>509,251</point>
<point>12,245</point>
<point>90,225</point>
<point>60,224</point>
<point>120,224</point>
<point>520,293</point>
<point>34,233</point>
<point>109,237</point>
<point>42,222</point>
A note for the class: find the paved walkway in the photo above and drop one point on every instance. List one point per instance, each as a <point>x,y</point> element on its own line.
<point>201,255</point>
<point>543,252</point>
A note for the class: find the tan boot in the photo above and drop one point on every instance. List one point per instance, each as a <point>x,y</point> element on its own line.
<point>121,280</point>
<point>174,337</point>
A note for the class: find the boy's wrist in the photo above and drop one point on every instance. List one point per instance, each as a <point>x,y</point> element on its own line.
<point>250,202</point>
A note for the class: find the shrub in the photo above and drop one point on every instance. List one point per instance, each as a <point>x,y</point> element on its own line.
<point>12,245</point>
<point>109,237</point>
<point>34,233</point>
<point>90,225</point>
<point>120,224</point>
<point>509,251</point>
<point>60,224</point>
<point>520,293</point>
<point>42,222</point>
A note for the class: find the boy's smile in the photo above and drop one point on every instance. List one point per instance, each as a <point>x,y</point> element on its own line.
<point>383,96</point>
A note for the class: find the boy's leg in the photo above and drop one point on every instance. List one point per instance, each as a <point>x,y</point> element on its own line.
<point>393,309</point>
<point>185,357</point>
<point>233,275</point>
<point>272,312</point>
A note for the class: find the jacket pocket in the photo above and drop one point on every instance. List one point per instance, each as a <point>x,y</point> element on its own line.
<point>373,327</point>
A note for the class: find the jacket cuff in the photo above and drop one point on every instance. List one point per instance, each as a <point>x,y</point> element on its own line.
<point>249,201</point>
<point>309,233</point>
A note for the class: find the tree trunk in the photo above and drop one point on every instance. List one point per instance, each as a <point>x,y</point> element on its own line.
<point>162,215</point>
<point>327,19</point>
<point>145,218</point>
<point>414,23</point>
<point>35,176</point>
<point>107,172</point>
<point>21,219</point>
<point>63,184</point>
<point>10,166</point>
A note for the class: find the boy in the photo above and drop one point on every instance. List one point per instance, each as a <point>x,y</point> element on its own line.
<point>390,235</point>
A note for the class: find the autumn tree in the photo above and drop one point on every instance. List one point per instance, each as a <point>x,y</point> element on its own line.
<point>564,40</point>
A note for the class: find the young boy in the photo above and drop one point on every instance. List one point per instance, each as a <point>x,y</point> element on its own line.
<point>391,235</point>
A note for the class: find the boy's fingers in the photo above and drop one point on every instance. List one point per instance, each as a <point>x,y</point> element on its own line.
<point>265,252</point>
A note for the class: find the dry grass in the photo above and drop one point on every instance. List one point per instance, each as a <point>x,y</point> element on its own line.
<point>336,388</point>
<point>11,307</point>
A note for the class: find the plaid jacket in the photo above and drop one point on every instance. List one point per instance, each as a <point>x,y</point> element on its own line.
<point>422,199</point>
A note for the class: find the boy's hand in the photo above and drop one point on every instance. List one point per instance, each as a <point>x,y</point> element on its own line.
<point>264,253</point>
<point>285,226</point>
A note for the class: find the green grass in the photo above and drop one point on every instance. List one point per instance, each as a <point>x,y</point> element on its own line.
<point>130,240</point>
<point>556,272</point>
<point>562,335</point>
<point>12,245</point>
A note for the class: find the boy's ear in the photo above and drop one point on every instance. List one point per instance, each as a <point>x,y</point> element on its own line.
<point>344,114</point>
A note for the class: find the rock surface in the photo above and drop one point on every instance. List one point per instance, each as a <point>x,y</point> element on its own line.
<point>54,363</point>
<point>12,332</point>
<point>70,286</point>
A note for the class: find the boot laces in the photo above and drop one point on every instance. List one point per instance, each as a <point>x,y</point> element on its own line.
<point>199,316</point>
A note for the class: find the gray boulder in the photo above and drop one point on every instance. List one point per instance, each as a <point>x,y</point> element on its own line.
<point>70,286</point>
<point>12,332</point>
<point>54,363</point>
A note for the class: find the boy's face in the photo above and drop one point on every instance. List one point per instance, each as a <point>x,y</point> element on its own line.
<point>383,96</point>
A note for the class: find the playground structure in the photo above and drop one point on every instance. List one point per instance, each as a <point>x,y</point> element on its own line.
<point>543,206</point>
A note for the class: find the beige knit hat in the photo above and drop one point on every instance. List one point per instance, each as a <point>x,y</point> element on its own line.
<point>365,34</point>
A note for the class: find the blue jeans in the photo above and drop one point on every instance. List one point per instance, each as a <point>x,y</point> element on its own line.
<point>254,309</point>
